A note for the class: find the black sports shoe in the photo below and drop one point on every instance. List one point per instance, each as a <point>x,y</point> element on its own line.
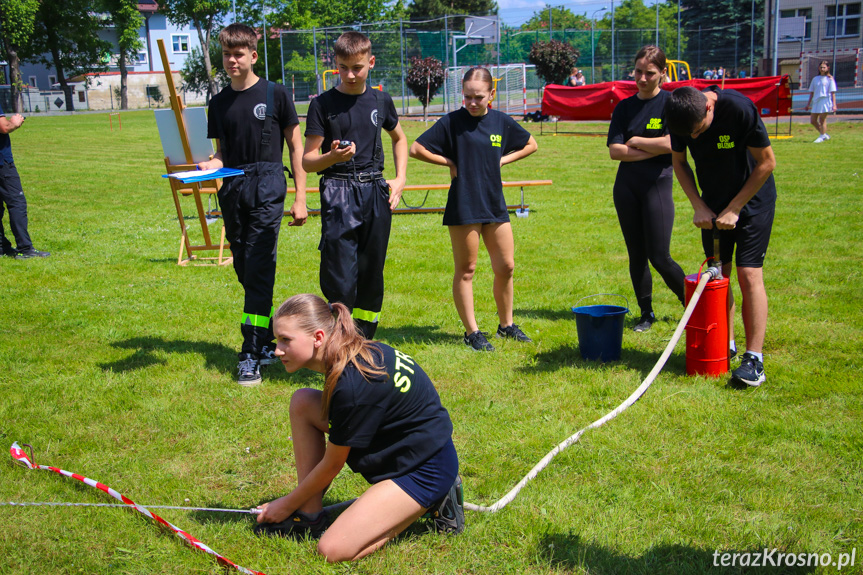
<point>477,341</point>
<point>31,253</point>
<point>448,513</point>
<point>750,372</point>
<point>267,356</point>
<point>645,323</point>
<point>513,332</point>
<point>9,251</point>
<point>249,372</point>
<point>297,525</point>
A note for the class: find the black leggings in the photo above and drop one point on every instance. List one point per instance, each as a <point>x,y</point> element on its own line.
<point>645,209</point>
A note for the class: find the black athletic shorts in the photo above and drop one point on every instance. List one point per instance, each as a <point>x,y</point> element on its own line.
<point>750,237</point>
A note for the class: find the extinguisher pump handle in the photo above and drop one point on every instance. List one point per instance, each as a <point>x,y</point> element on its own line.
<point>716,261</point>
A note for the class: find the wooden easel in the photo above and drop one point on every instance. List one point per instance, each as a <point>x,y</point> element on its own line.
<point>197,190</point>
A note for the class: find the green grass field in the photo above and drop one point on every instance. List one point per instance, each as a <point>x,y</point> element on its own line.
<point>120,365</point>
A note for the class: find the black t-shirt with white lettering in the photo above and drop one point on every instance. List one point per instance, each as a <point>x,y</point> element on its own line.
<point>722,161</point>
<point>242,115</point>
<point>393,423</point>
<point>476,144</point>
<point>356,119</point>
<point>634,117</point>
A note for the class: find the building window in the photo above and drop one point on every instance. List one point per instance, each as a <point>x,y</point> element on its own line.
<point>141,58</point>
<point>33,81</point>
<point>51,81</point>
<point>844,22</point>
<point>798,13</point>
<point>82,97</point>
<point>180,42</point>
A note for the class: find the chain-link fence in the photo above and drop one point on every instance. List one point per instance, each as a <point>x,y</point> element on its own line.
<point>730,50</point>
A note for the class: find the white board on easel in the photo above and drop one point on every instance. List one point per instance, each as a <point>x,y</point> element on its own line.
<point>196,125</point>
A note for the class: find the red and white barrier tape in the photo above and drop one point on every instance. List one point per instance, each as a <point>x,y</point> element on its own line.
<point>21,458</point>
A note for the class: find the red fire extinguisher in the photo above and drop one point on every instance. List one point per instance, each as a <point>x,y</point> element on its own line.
<point>707,330</point>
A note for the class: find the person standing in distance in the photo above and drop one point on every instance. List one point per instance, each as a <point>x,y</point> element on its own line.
<point>734,161</point>
<point>343,145</point>
<point>251,119</point>
<point>12,196</point>
<point>822,100</point>
<point>638,138</point>
<point>475,142</point>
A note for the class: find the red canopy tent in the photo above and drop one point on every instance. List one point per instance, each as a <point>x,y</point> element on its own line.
<point>771,95</point>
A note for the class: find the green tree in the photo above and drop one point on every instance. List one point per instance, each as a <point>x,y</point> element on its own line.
<point>424,79</point>
<point>17,22</point>
<point>194,73</point>
<point>428,9</point>
<point>205,16</point>
<point>635,26</point>
<point>553,60</point>
<point>127,21</point>
<point>561,19</point>
<point>66,38</point>
<point>717,21</point>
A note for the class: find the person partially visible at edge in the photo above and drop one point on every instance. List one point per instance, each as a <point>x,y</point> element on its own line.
<point>572,79</point>
<point>251,119</point>
<point>822,100</point>
<point>734,162</point>
<point>343,145</point>
<point>475,142</point>
<point>12,196</point>
<point>384,419</point>
<point>638,138</point>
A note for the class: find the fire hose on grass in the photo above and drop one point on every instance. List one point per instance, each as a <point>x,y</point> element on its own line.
<point>713,272</point>
<point>20,457</point>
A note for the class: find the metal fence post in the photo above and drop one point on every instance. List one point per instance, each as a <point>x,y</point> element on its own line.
<point>315,48</point>
<point>402,72</point>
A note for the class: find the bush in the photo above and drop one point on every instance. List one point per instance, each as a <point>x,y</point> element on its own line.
<point>553,60</point>
<point>425,78</point>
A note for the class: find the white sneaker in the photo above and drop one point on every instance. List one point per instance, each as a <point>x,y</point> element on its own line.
<point>818,140</point>
<point>826,137</point>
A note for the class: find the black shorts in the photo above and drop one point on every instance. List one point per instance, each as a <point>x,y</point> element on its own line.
<point>750,237</point>
<point>428,484</point>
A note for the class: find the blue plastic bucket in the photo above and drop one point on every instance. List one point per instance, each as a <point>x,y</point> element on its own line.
<point>600,329</point>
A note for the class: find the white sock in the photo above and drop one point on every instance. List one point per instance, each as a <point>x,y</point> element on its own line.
<point>732,346</point>
<point>758,355</point>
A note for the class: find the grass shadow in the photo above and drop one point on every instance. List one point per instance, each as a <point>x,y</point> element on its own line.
<point>570,356</point>
<point>216,356</point>
<point>413,333</point>
<point>550,314</point>
<point>148,351</point>
<point>570,553</point>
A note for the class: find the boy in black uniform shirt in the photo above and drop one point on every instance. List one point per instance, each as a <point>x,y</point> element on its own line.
<point>345,124</point>
<point>735,163</point>
<point>250,121</point>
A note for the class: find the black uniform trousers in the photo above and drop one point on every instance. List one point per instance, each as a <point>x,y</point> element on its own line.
<point>252,208</point>
<point>355,231</point>
<point>645,210</point>
<point>12,197</point>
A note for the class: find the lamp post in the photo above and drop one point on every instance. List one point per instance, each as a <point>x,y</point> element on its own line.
<point>657,21</point>
<point>612,40</point>
<point>593,46</point>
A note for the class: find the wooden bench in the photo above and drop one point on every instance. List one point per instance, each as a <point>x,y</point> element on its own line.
<point>421,208</point>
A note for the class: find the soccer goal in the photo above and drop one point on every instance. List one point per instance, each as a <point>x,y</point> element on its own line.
<point>849,66</point>
<point>510,88</point>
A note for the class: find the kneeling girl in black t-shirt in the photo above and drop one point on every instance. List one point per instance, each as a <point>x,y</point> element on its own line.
<point>475,142</point>
<point>384,419</point>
